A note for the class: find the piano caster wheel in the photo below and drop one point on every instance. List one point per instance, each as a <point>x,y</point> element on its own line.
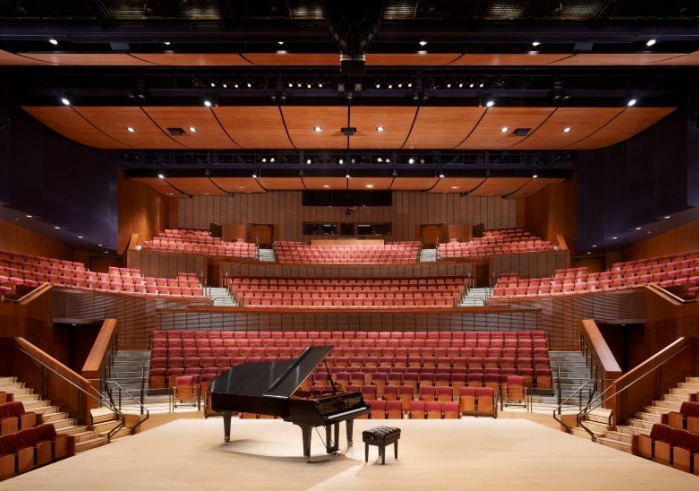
<point>227,439</point>
<point>308,460</point>
<point>350,443</point>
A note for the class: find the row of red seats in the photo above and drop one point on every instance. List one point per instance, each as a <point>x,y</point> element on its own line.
<point>671,446</point>
<point>14,418</point>
<point>199,242</point>
<point>427,336</point>
<point>301,252</point>
<point>494,242</point>
<point>29,448</point>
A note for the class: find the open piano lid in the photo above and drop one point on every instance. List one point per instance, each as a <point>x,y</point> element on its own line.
<point>280,378</point>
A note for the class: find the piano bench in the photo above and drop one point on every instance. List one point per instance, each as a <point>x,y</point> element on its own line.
<point>380,436</point>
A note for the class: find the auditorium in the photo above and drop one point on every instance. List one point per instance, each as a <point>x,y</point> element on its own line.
<point>222,222</point>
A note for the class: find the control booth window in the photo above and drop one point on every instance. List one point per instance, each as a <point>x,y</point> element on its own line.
<point>374,229</point>
<point>319,229</point>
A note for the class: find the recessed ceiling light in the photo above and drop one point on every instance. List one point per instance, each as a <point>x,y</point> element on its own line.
<point>441,175</point>
<point>535,43</point>
<point>280,43</point>
<point>53,41</point>
<point>207,103</point>
<point>213,84</point>
<point>379,159</point>
<point>615,237</point>
<point>130,129</point>
<point>326,185</point>
<point>632,102</point>
<point>567,129</point>
<point>666,217</point>
<point>341,161</point>
<point>80,237</point>
<point>380,128</point>
<point>589,252</point>
<point>308,161</point>
<point>166,43</point>
<point>504,129</point>
<point>57,227</point>
<point>65,101</point>
<point>192,129</point>
<point>650,42</point>
<point>594,245</point>
<point>347,176</point>
<point>535,176</point>
<point>161,176</point>
<point>99,245</point>
<point>411,160</point>
<point>638,228</point>
<point>317,129</point>
<point>254,175</point>
<point>490,103</point>
<point>29,216</point>
<point>423,43</point>
<point>422,52</point>
<point>455,187</point>
<point>369,186</point>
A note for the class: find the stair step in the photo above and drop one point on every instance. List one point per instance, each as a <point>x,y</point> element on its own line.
<point>608,442</point>
<point>596,428</point>
<point>35,404</point>
<point>599,415</point>
<point>9,386</point>
<point>619,436</point>
<point>639,423</point>
<point>632,430</point>
<point>692,380</point>
<point>675,397</point>
<point>672,405</point>
<point>26,397</point>
<point>686,392</point>
<point>71,430</point>
<point>652,417</point>
<point>90,444</point>
<point>692,386</point>
<point>580,433</point>
<point>656,410</point>
<point>64,423</point>
<point>101,415</point>
<point>54,416</point>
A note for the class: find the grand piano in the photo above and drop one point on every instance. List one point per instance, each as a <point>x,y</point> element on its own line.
<point>271,388</point>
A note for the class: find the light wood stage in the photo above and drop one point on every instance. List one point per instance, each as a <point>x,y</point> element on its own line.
<point>267,454</point>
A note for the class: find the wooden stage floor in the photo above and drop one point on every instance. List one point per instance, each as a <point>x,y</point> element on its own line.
<point>470,453</point>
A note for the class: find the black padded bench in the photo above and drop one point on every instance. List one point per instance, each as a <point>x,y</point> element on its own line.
<point>380,436</point>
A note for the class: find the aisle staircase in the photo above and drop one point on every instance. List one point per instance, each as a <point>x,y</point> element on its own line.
<point>428,255</point>
<point>642,422</point>
<point>574,372</point>
<point>220,297</point>
<point>266,255</point>
<point>475,297</point>
<point>85,438</point>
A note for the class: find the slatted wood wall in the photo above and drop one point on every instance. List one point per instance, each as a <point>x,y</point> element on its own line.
<point>530,265</point>
<point>284,210</point>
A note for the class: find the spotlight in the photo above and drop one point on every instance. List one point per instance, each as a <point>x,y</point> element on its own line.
<point>632,102</point>
<point>53,41</point>
<point>207,103</point>
<point>65,101</point>
<point>490,103</point>
<point>650,42</point>
<point>535,43</point>
<point>161,176</point>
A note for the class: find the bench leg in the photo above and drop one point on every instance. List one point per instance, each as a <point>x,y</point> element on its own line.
<point>366,452</point>
<point>396,448</point>
<point>382,451</point>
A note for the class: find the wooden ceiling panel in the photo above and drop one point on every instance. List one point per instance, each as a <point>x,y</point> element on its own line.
<point>69,123</point>
<point>582,121</point>
<point>615,59</point>
<point>502,186</point>
<point>87,59</point>
<point>456,185</point>
<point>370,183</point>
<point>533,186</point>
<point>301,121</point>
<point>196,186</point>
<point>208,134</point>
<point>254,126</point>
<point>442,127</point>
<point>488,133</point>
<point>410,59</point>
<point>281,183</point>
<point>238,184</point>
<point>518,59</point>
<point>689,59</point>
<point>7,58</point>
<point>325,183</point>
<point>159,185</point>
<point>396,122</point>
<point>630,122</point>
<point>413,183</point>
<point>293,59</point>
<point>192,59</point>
<point>114,121</point>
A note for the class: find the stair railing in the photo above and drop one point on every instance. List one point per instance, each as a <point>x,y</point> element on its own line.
<point>591,387</point>
<point>123,390</point>
<point>604,397</point>
<point>92,393</point>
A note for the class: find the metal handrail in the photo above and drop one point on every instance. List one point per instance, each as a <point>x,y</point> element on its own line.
<point>589,407</point>
<point>578,392</point>
<point>122,390</point>
<point>99,397</point>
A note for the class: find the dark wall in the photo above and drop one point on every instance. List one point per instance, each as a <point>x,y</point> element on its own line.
<point>53,178</point>
<point>635,182</point>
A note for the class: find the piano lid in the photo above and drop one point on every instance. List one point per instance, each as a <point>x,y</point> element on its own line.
<point>279,378</point>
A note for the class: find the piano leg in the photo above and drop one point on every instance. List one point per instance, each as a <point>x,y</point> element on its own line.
<point>306,435</point>
<point>226,426</point>
<point>331,446</point>
<point>350,428</point>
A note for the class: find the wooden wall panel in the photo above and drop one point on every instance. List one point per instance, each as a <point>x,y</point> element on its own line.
<point>141,210</point>
<point>283,209</point>
<point>552,211</point>
<point>17,239</point>
<point>530,265</point>
<point>676,241</point>
<point>165,264</point>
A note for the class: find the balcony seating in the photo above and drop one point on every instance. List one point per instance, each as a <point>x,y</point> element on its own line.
<point>494,242</point>
<point>199,242</point>
<point>22,269</point>
<point>390,253</point>
<point>343,293</point>
<point>681,270</point>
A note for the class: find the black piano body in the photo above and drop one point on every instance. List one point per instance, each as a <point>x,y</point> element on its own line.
<point>270,388</point>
